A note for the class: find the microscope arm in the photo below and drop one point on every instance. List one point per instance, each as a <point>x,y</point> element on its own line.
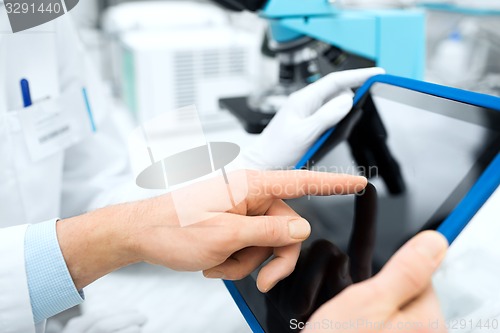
<point>394,39</point>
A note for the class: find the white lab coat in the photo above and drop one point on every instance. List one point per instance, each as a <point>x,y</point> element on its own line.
<point>89,174</point>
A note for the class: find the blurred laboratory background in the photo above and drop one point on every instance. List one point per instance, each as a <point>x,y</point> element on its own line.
<point>162,55</point>
<point>236,67</point>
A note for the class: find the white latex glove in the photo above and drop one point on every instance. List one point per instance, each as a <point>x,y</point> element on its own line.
<point>125,321</point>
<point>306,115</point>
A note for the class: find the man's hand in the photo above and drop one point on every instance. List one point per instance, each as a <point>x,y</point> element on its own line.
<point>226,230</point>
<point>400,298</point>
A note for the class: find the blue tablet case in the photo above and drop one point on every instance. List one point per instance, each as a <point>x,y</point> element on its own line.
<point>467,207</point>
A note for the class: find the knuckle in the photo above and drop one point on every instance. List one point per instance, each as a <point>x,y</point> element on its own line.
<point>271,230</point>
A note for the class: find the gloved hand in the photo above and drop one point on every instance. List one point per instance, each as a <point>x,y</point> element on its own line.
<point>305,116</point>
<point>127,321</point>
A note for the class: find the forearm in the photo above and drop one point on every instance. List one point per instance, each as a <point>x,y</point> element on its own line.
<point>105,240</point>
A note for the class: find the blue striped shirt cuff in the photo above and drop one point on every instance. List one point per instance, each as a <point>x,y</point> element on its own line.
<point>51,287</point>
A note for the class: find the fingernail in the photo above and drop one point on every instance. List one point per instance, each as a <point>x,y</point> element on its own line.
<point>299,229</point>
<point>431,244</point>
<point>214,275</point>
<point>266,289</point>
<point>262,290</point>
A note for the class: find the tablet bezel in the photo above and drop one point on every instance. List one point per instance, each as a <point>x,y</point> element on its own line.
<point>458,219</point>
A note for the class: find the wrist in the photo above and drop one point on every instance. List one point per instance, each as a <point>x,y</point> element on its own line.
<point>107,239</point>
<point>98,243</point>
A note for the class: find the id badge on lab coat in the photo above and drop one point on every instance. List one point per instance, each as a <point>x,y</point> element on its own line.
<point>54,124</point>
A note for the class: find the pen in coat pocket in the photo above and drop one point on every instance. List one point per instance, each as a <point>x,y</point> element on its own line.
<point>25,90</point>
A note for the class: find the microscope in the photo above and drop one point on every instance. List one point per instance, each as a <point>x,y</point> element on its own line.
<point>311,38</point>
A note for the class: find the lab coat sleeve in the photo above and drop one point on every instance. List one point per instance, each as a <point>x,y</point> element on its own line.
<point>50,285</point>
<point>15,307</point>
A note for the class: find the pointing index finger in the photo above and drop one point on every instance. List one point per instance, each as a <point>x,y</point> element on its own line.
<point>297,183</point>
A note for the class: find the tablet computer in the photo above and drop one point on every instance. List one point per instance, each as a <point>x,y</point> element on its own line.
<point>431,154</point>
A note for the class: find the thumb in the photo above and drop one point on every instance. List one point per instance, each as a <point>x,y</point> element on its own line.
<point>408,273</point>
<point>271,231</point>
